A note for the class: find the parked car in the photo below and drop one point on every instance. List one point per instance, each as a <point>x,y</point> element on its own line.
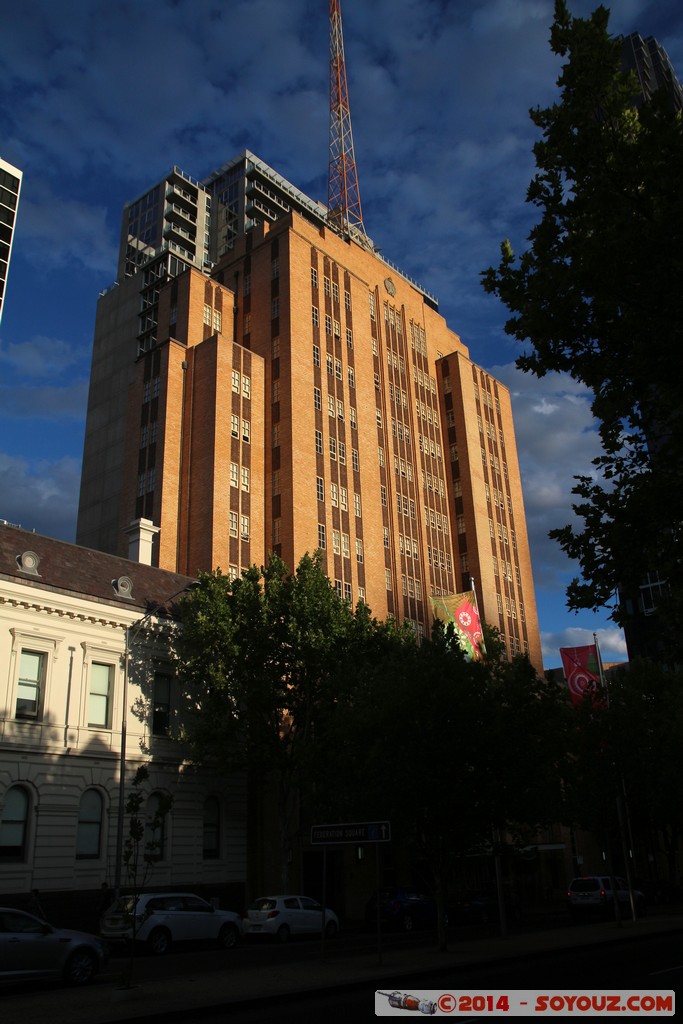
<point>31,948</point>
<point>594,894</point>
<point>282,916</point>
<point>401,908</point>
<point>164,918</point>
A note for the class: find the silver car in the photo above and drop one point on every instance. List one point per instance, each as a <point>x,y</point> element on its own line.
<point>159,919</point>
<point>31,948</point>
<point>282,916</point>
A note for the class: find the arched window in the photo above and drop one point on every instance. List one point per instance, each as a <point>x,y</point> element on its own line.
<point>158,807</point>
<point>89,834</point>
<point>211,829</point>
<point>14,825</point>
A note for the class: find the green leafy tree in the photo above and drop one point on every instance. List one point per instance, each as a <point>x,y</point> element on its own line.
<point>258,659</point>
<point>597,295</point>
<point>447,750</point>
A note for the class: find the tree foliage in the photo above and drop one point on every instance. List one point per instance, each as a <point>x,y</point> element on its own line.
<point>597,295</point>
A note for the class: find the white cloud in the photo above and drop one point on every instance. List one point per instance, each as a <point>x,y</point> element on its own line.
<point>39,356</point>
<point>40,496</point>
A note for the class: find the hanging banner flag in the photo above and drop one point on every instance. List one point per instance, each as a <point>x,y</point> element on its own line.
<point>581,669</point>
<point>462,611</point>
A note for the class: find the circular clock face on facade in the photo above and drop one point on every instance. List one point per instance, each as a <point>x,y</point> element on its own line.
<point>390,286</point>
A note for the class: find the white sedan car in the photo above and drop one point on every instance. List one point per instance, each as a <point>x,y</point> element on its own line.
<point>282,916</point>
<point>163,918</point>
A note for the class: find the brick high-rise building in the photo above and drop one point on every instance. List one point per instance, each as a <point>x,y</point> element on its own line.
<point>277,387</point>
<point>10,187</point>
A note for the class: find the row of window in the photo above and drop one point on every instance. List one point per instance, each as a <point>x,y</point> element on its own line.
<point>213,318</point>
<point>236,475</point>
<point>242,383</point>
<point>331,288</point>
<point>239,526</point>
<point>339,496</point>
<point>32,683</point>
<point>15,824</point>
<point>337,450</point>
<point>411,587</point>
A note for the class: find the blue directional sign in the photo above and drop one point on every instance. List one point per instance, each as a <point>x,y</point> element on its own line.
<point>352,832</point>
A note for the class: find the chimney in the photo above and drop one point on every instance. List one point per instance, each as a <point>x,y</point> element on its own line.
<point>141,533</point>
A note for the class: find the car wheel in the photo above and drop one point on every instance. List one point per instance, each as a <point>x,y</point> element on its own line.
<point>81,967</point>
<point>282,934</point>
<point>330,930</point>
<point>159,941</point>
<point>407,923</point>
<point>227,936</point>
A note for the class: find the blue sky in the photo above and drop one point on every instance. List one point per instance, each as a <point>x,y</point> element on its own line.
<point>98,101</point>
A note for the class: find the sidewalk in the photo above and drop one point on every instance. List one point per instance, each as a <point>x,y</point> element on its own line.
<point>103,1003</point>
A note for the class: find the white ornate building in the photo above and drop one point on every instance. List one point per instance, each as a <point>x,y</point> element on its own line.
<point>67,614</point>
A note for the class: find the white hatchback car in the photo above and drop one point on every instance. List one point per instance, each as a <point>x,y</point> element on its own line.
<point>282,916</point>
<point>163,918</point>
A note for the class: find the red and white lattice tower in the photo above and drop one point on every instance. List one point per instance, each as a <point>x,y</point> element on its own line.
<point>343,196</point>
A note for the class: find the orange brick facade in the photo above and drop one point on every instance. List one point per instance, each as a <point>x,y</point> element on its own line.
<point>309,396</point>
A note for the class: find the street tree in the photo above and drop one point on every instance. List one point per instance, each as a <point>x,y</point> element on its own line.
<point>597,295</point>
<point>259,659</point>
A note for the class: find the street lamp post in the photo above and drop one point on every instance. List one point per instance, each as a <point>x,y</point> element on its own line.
<point>132,633</point>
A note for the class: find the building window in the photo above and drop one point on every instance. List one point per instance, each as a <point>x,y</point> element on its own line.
<point>359,549</point>
<point>320,488</point>
<point>372,305</point>
<point>234,474</point>
<point>326,285</point>
<point>344,499</point>
<point>347,299</point>
<point>333,448</point>
<point>236,381</point>
<point>277,531</point>
<point>207,315</point>
<point>275,268</point>
<point>347,592</point>
<point>315,316</point>
<point>330,364</point>
<point>276,391</point>
<point>378,415</point>
<point>352,377</point>
<point>314,277</point>
<point>355,460</point>
<point>246,431</point>
<point>328,324</point>
<point>245,478</point>
<point>244,527</point>
<point>14,825</point>
<point>30,686</point>
<point>383,494</point>
<point>275,347</point>
<point>342,453</point>
<point>319,442</point>
<point>276,482</point>
<point>340,409</point>
<point>336,542</point>
<point>274,308</point>
<point>211,829</point>
<point>386,536</point>
<point>335,291</point>
<point>233,524</point>
<point>356,504</point>
<point>235,425</point>
<point>89,830</point>
<point>334,494</point>
<point>322,542</point>
<point>316,355</point>
<point>99,699</point>
<point>317,401</point>
<point>246,387</point>
<point>349,336</point>
<point>161,701</point>
<point>338,369</point>
<point>217,320</point>
<point>387,579</point>
<point>330,405</point>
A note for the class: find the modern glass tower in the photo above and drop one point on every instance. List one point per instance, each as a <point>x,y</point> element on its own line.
<point>10,187</point>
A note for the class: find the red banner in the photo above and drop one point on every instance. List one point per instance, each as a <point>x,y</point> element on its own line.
<point>581,670</point>
<point>462,611</point>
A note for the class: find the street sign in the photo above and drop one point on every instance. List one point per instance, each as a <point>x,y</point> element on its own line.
<point>352,832</point>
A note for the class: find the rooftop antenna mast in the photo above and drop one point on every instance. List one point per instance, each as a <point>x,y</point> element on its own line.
<point>343,196</point>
